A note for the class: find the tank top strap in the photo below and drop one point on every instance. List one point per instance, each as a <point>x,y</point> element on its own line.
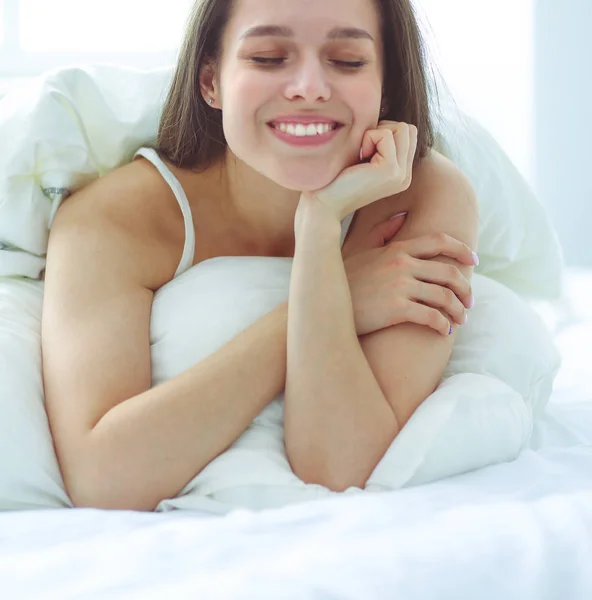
<point>189,247</point>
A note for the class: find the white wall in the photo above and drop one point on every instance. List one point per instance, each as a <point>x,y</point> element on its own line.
<point>484,51</point>
<point>563,121</point>
<point>524,69</point>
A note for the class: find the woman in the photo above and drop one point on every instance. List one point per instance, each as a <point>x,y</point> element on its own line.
<point>271,143</point>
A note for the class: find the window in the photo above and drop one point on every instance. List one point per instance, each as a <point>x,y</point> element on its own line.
<point>36,35</point>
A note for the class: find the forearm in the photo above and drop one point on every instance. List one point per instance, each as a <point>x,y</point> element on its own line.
<point>338,423</point>
<point>150,446</point>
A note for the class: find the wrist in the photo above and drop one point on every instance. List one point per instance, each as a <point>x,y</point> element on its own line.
<point>314,217</point>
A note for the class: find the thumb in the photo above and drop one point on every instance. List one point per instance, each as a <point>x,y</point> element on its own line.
<point>389,229</point>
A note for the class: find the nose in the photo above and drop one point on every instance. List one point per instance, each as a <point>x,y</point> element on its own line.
<point>308,81</point>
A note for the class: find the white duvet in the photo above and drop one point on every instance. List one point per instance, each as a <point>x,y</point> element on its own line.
<point>515,531</point>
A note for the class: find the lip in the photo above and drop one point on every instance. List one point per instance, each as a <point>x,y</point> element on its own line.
<point>304,119</point>
<point>310,141</point>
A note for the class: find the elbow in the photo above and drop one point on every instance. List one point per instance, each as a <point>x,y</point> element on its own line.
<point>101,498</point>
<point>91,483</point>
<point>333,477</point>
<point>339,467</point>
<point>339,471</point>
<point>334,482</point>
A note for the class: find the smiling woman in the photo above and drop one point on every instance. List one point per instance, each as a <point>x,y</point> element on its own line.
<point>272,145</point>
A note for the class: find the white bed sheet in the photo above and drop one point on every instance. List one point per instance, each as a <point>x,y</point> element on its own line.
<point>521,530</point>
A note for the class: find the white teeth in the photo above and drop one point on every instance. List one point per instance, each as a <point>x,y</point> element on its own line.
<point>301,130</point>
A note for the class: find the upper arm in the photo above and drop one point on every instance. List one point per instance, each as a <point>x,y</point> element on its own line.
<point>95,323</point>
<point>408,359</point>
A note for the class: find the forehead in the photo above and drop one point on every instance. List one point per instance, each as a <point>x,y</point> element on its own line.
<point>308,18</point>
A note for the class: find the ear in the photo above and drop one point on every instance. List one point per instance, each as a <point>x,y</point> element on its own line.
<point>208,84</point>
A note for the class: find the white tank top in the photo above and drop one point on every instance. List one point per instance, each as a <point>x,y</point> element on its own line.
<point>189,248</point>
<point>200,310</point>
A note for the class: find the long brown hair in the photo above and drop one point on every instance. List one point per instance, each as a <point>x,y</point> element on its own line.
<point>190,133</point>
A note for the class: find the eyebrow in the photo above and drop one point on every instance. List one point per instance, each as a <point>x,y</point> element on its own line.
<point>352,33</point>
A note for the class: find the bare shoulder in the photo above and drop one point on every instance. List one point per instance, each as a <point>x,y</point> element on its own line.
<point>137,201</point>
<point>433,176</point>
<point>438,187</point>
<point>436,170</point>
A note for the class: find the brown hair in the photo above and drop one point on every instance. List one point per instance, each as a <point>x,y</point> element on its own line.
<point>190,133</point>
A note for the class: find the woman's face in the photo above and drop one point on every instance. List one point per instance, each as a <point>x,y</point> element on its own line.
<point>300,81</point>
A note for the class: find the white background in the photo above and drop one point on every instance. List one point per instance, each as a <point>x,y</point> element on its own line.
<point>522,67</point>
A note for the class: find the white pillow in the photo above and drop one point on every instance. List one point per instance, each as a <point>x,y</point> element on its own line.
<point>498,380</point>
<point>62,130</point>
<point>29,474</point>
<point>502,333</point>
<point>72,125</point>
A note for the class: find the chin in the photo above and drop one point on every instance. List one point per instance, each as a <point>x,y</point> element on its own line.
<point>301,178</point>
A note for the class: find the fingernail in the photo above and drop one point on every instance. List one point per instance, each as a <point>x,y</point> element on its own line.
<point>450,332</point>
<point>472,303</point>
<point>398,215</point>
<point>466,319</point>
<point>362,153</point>
<point>475,259</point>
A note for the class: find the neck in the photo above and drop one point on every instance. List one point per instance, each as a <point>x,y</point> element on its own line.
<point>261,210</point>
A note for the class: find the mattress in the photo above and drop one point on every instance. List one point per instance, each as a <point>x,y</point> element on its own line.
<point>519,530</point>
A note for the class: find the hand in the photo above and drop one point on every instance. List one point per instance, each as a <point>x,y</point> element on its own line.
<point>392,148</point>
<point>394,283</point>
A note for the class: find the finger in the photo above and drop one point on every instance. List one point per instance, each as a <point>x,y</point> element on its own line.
<point>424,315</point>
<point>402,138</point>
<point>440,297</point>
<point>387,230</point>
<point>444,275</point>
<point>435,244</point>
<point>380,145</point>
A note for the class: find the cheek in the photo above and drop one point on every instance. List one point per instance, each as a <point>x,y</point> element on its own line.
<point>243,97</point>
<point>365,97</point>
<point>244,93</point>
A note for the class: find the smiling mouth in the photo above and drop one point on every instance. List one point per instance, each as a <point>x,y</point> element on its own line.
<point>302,130</point>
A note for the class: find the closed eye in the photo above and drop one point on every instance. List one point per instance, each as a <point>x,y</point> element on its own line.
<point>346,64</point>
<point>276,61</point>
<point>263,60</point>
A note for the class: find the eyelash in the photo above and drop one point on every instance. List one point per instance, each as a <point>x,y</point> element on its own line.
<point>276,62</point>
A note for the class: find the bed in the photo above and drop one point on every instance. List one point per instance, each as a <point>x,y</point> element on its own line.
<point>516,524</point>
<point>520,530</point>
